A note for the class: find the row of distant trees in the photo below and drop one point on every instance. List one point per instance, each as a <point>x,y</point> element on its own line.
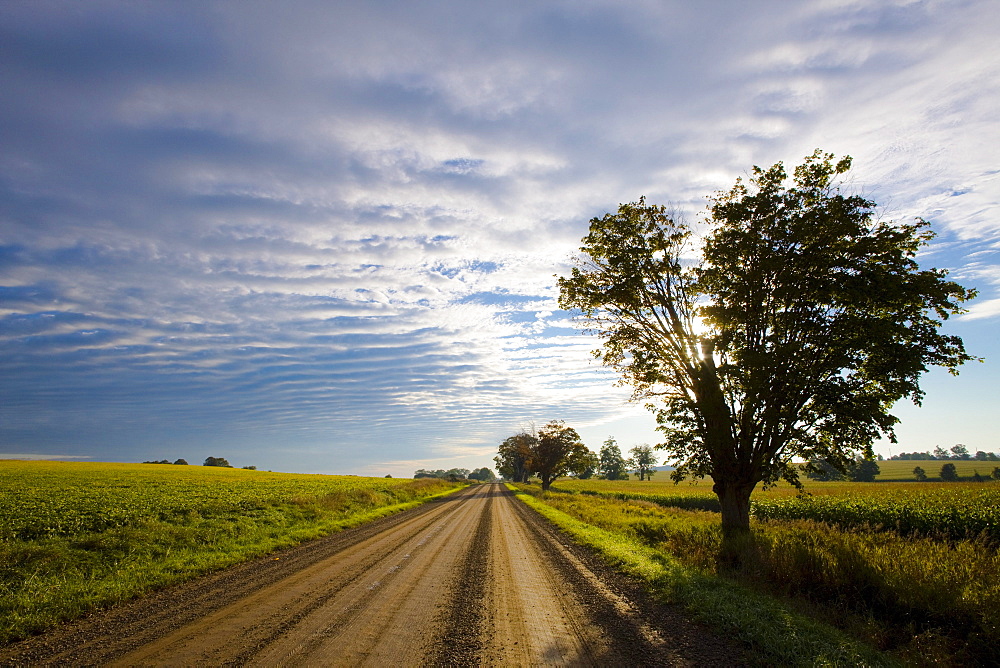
<point>209,461</point>
<point>612,465</point>
<point>958,453</point>
<point>484,474</point>
<point>556,450</point>
<point>856,470</point>
<point>950,474</point>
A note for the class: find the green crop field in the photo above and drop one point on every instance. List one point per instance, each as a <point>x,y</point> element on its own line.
<point>942,510</point>
<point>903,469</point>
<point>78,536</point>
<point>909,568</point>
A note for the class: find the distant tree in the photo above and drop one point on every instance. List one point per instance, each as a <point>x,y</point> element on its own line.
<point>181,462</point>
<point>923,456</point>
<point>249,468</point>
<point>514,456</point>
<point>941,453</point>
<point>217,461</point>
<point>611,464</point>
<point>976,477</point>
<point>996,473</point>
<point>820,469</point>
<point>451,474</point>
<point>864,470</point>
<point>919,474</point>
<point>788,332</point>
<point>961,452</point>
<point>388,475</point>
<point>558,451</point>
<point>949,473</point>
<point>484,474</point>
<point>584,464</point>
<point>643,461</point>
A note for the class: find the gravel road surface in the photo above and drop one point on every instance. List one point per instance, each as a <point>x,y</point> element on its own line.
<point>476,578</point>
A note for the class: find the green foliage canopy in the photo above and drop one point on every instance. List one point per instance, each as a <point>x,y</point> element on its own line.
<point>559,451</point>
<point>642,461</point>
<point>552,451</point>
<point>514,456</point>
<point>790,332</point>
<point>612,465</point>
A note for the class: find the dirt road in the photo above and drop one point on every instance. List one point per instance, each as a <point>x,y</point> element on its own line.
<point>474,579</point>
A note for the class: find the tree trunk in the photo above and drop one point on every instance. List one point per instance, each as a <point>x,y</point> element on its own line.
<point>734,500</point>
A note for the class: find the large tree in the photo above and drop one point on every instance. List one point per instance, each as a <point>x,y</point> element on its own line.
<point>789,332</point>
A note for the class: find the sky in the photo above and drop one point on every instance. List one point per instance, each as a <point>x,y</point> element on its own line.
<point>323,237</point>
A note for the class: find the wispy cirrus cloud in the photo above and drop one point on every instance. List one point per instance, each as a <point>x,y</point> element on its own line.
<point>325,238</point>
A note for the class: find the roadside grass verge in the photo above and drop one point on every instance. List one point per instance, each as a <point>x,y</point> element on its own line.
<point>78,537</point>
<point>775,631</point>
<point>924,599</point>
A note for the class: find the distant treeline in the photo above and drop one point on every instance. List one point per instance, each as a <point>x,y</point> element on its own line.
<point>484,474</point>
<point>859,470</point>
<point>209,461</point>
<point>957,453</point>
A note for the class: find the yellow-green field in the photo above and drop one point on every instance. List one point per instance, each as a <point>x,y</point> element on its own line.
<point>77,536</point>
<point>908,568</point>
<point>897,469</point>
<point>943,510</point>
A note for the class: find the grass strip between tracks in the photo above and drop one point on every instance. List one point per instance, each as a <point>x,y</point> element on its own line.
<point>773,634</point>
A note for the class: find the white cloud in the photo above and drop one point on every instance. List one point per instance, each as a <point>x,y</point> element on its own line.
<point>339,223</point>
<point>983,309</point>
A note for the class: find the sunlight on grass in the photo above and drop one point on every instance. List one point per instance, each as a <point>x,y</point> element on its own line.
<point>929,596</point>
<point>79,536</point>
<point>774,634</point>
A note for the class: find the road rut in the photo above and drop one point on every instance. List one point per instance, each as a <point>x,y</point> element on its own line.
<point>476,578</point>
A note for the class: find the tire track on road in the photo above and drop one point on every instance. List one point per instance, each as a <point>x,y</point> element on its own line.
<point>464,635</point>
<point>477,578</point>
